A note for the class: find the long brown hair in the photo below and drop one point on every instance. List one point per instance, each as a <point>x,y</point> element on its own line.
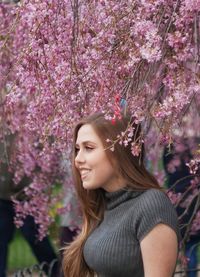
<point>131,168</point>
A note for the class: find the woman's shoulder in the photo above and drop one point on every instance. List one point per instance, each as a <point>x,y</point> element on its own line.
<point>154,207</point>
<point>153,203</point>
<point>154,195</point>
<point>150,197</point>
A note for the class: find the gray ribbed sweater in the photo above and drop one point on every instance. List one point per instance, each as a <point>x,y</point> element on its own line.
<point>113,248</point>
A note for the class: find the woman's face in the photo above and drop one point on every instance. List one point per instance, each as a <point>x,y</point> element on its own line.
<point>95,169</point>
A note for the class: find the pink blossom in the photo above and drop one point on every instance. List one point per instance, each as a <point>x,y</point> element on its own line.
<point>59,64</point>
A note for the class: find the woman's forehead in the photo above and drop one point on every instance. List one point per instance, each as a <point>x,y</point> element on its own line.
<point>86,133</point>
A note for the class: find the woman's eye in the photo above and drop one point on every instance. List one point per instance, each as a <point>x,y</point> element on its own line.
<point>89,148</point>
<point>76,150</point>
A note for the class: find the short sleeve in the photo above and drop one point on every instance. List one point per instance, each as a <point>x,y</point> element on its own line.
<point>154,207</point>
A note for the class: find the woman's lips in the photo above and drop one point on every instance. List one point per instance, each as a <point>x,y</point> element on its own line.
<point>84,173</point>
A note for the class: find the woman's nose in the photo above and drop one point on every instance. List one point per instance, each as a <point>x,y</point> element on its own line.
<point>79,157</point>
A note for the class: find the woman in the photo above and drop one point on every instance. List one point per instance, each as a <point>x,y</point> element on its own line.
<point>129,225</point>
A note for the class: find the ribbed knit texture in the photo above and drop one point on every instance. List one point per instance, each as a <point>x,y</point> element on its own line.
<point>113,248</point>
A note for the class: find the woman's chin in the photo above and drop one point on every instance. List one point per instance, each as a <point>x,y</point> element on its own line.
<point>87,185</point>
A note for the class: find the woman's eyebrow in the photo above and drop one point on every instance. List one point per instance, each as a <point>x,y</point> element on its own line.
<point>86,142</point>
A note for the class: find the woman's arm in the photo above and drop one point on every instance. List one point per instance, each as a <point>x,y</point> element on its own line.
<point>159,251</point>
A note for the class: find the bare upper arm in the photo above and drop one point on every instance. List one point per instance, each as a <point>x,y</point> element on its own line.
<point>159,251</point>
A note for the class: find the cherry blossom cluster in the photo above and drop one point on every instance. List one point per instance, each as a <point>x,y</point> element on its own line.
<point>62,60</point>
<point>194,165</point>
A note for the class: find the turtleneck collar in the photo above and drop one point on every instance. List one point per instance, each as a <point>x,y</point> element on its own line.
<point>114,199</point>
